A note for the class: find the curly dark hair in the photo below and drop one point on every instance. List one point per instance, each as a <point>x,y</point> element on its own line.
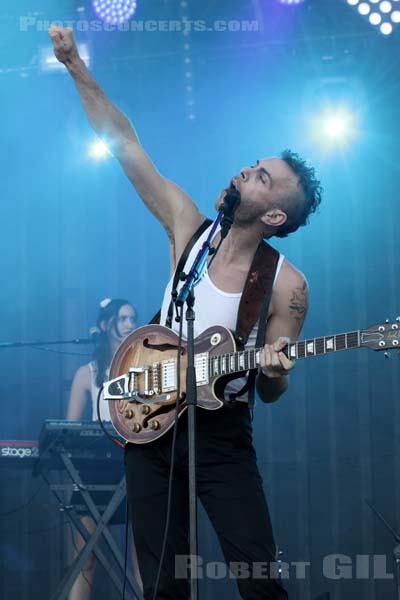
<point>301,204</point>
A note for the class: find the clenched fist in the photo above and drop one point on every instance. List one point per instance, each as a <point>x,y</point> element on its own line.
<point>64,43</point>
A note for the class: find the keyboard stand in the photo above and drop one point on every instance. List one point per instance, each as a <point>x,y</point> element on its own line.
<point>101,521</point>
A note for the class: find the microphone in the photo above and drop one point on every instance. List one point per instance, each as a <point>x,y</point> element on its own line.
<point>228,208</point>
<point>94,334</point>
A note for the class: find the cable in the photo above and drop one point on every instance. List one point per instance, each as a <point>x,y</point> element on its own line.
<point>68,523</point>
<point>35,471</point>
<point>171,471</point>
<point>115,440</point>
<point>126,546</point>
<point>47,349</point>
<point>22,506</point>
<point>214,253</point>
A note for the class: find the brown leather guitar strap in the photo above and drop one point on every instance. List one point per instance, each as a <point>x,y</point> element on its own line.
<point>254,305</point>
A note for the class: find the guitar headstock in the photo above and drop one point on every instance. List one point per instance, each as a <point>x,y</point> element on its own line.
<point>383,336</point>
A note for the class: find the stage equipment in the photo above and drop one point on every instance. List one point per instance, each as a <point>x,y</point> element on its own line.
<point>93,484</point>
<point>291,2</point>
<point>396,549</point>
<point>383,14</point>
<point>114,12</point>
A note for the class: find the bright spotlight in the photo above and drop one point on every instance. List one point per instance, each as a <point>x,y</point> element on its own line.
<point>364,8</point>
<point>386,28</point>
<point>98,150</point>
<point>334,127</point>
<point>114,12</point>
<point>375,18</point>
<point>385,6</point>
<point>384,13</point>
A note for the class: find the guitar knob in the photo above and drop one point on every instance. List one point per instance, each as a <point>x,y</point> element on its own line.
<point>145,410</point>
<point>136,428</point>
<point>154,425</point>
<point>129,414</point>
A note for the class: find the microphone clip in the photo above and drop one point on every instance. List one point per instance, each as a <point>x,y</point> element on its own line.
<point>228,208</point>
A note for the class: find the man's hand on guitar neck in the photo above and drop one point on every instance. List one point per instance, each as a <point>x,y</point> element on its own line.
<point>275,366</point>
<point>274,363</point>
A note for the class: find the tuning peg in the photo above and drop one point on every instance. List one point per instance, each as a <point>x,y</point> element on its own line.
<point>386,354</point>
<point>398,319</point>
<point>387,321</point>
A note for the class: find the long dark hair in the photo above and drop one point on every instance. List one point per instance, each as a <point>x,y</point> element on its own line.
<point>102,354</point>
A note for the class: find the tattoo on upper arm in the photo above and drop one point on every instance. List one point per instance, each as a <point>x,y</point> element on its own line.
<point>298,303</point>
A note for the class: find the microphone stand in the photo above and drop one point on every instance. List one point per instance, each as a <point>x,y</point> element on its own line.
<point>186,294</point>
<point>5,345</point>
<point>396,549</point>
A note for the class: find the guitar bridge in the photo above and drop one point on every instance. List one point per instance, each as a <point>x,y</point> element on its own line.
<point>143,384</point>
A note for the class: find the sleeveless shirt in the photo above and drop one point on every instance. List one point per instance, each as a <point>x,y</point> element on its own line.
<point>94,391</point>
<point>212,307</point>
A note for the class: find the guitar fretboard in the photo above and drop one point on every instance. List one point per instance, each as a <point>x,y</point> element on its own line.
<point>234,362</point>
<point>322,345</point>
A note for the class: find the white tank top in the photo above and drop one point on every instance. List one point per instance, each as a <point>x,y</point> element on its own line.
<point>213,307</point>
<point>94,391</point>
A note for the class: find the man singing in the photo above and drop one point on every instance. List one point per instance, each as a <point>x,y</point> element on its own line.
<point>277,196</point>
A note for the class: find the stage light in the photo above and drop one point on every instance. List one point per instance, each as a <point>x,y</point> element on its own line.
<point>48,61</point>
<point>364,8</point>
<point>385,6</point>
<point>114,12</point>
<point>334,128</point>
<point>291,2</point>
<point>98,150</point>
<point>385,13</point>
<point>337,126</point>
<point>386,28</point>
<point>375,18</point>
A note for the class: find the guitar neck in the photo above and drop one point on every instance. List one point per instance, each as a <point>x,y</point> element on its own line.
<point>235,362</point>
<point>323,345</point>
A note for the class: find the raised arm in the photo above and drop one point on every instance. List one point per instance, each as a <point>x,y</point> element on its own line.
<point>173,208</point>
<point>289,305</point>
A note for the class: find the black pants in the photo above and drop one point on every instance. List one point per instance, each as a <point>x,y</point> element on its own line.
<point>230,489</point>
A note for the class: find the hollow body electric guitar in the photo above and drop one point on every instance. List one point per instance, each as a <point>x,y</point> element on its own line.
<point>142,390</point>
